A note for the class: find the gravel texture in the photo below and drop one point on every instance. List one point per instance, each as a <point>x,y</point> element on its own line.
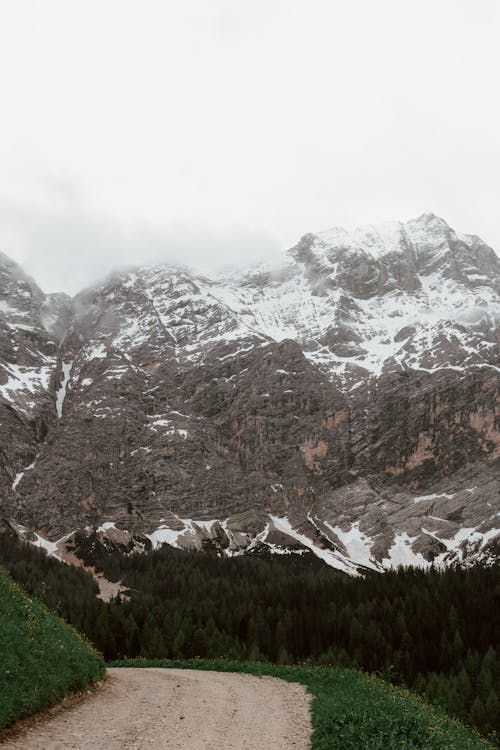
<point>139,709</point>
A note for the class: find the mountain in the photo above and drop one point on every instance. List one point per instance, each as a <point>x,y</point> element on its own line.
<point>343,400</point>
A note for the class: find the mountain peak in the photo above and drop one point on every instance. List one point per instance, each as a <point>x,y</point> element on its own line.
<point>7,262</point>
<point>428,226</point>
<point>377,240</point>
<point>373,239</point>
<point>13,277</point>
<point>431,218</point>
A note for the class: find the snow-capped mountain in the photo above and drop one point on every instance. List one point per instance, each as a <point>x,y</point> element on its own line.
<point>345,400</point>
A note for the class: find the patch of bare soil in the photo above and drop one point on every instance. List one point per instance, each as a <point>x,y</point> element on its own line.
<point>107,589</point>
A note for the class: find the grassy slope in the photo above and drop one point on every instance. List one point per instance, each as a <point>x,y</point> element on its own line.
<point>41,657</point>
<point>354,711</point>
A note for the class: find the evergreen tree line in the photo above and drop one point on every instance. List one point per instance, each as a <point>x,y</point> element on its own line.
<point>435,632</point>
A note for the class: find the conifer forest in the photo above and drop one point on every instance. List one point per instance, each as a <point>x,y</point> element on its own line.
<point>435,632</point>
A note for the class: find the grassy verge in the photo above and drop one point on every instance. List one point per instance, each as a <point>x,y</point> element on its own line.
<point>352,710</point>
<point>41,657</point>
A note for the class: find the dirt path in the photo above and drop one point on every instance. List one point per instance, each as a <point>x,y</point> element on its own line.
<point>143,709</point>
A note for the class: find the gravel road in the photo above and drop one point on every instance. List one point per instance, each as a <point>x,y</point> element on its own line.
<point>145,709</point>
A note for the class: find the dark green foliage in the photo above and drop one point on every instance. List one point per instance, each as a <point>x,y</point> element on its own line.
<point>354,711</point>
<point>434,632</point>
<point>64,589</point>
<point>41,657</point>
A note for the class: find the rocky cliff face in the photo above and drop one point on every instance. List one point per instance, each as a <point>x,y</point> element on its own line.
<point>345,400</point>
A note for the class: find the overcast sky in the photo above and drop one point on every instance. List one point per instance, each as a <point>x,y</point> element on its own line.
<point>222,130</point>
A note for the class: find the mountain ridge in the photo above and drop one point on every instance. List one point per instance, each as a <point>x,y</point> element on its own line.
<point>342,401</point>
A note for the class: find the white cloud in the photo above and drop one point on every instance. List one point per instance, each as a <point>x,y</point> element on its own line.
<point>169,128</point>
<point>67,245</point>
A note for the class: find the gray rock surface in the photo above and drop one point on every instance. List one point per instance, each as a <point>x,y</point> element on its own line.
<point>345,400</point>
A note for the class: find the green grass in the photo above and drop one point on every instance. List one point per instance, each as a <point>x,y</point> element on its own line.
<point>41,657</point>
<point>353,711</point>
